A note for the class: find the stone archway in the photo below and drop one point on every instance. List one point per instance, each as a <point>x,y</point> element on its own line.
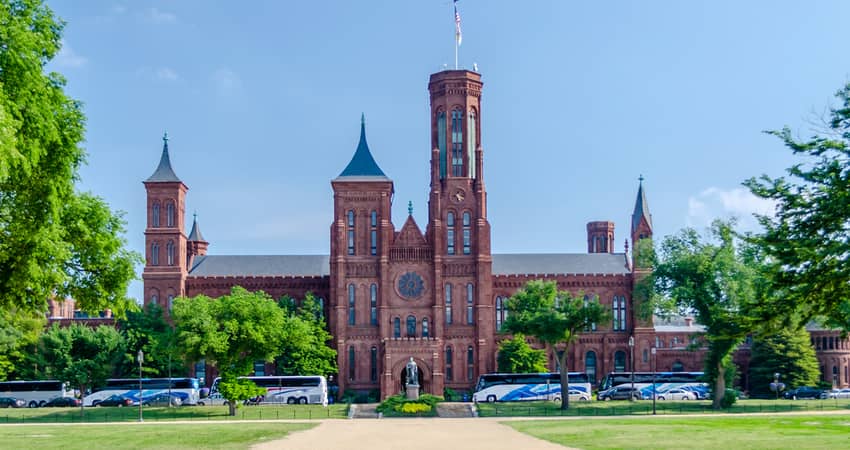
<point>399,373</point>
<point>403,380</point>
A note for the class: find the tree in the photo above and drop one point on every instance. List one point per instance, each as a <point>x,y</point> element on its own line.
<point>717,282</point>
<point>305,349</point>
<point>807,236</point>
<point>19,332</point>
<point>53,240</point>
<point>231,332</point>
<point>82,356</point>
<point>516,356</point>
<point>147,330</point>
<point>787,352</point>
<point>554,317</point>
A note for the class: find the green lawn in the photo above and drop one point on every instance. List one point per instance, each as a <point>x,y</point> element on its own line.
<point>197,413</point>
<point>658,433</point>
<point>644,407</point>
<point>147,435</point>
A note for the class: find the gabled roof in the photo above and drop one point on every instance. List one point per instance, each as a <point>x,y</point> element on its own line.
<point>641,208</point>
<point>260,265</point>
<point>362,166</point>
<point>560,263</point>
<point>164,173</point>
<point>195,234</point>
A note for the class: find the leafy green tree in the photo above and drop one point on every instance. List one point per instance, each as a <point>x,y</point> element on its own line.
<point>516,356</point>
<point>231,332</point>
<point>53,240</point>
<point>718,283</point>
<point>807,237</point>
<point>305,349</point>
<point>82,356</point>
<point>149,331</point>
<point>19,332</point>
<point>787,352</point>
<point>554,317</point>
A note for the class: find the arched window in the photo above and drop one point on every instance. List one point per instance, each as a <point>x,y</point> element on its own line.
<point>154,254</point>
<point>411,326</point>
<point>373,304</point>
<point>831,343</point>
<point>619,361</point>
<point>373,234</point>
<point>441,141</point>
<point>450,233</point>
<point>170,302</point>
<point>350,232</point>
<point>448,304</point>
<point>155,299</point>
<point>470,363</point>
<point>449,371</point>
<point>470,319</point>
<point>321,312</point>
<point>619,306</point>
<point>499,313</point>
<point>587,299</point>
<point>351,303</point>
<point>645,355</point>
<point>457,143</point>
<point>155,215</point>
<point>351,363</point>
<point>169,214</point>
<point>835,375</point>
<point>425,329</point>
<point>169,252</point>
<point>396,327</point>
<point>590,366</point>
<point>467,231</point>
<point>677,366</point>
<point>373,364</point>
<point>471,134</point>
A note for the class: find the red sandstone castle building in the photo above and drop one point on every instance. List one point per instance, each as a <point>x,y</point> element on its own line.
<point>436,293</point>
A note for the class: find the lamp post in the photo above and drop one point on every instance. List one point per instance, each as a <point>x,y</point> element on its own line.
<point>654,365</point>
<point>140,357</point>
<point>632,367</point>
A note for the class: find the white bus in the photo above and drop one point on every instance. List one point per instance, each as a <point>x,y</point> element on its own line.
<point>186,389</point>
<point>294,389</point>
<point>508,387</point>
<point>35,393</point>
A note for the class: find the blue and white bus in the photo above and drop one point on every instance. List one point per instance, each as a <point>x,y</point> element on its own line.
<point>186,389</point>
<point>288,389</point>
<point>35,393</point>
<point>664,381</point>
<point>508,387</point>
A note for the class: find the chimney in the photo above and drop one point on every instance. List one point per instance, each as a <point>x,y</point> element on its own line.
<point>689,321</point>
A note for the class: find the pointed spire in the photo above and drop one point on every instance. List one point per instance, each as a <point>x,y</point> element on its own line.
<point>410,207</point>
<point>195,234</point>
<point>164,173</point>
<point>641,207</point>
<point>362,163</point>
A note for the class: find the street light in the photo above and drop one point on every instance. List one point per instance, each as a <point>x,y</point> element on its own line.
<point>140,357</point>
<point>654,365</point>
<point>632,367</point>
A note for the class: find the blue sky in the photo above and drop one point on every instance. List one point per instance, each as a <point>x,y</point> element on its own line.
<point>262,103</point>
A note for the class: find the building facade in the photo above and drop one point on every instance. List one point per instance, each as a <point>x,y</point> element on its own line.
<point>434,293</point>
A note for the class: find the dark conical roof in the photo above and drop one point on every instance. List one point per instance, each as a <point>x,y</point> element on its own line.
<point>362,163</point>
<point>164,173</point>
<point>195,234</point>
<point>641,208</point>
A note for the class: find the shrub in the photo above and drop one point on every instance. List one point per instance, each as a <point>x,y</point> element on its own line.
<point>400,404</point>
<point>450,394</point>
<point>729,399</point>
<point>413,408</point>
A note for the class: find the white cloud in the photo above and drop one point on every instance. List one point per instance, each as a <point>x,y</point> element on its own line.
<point>166,74</point>
<point>156,16</point>
<point>714,203</point>
<point>226,81</point>
<point>67,57</point>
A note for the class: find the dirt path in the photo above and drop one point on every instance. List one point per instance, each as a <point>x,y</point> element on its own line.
<point>410,434</point>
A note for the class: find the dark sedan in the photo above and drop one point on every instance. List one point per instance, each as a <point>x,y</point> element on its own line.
<point>621,392</point>
<point>63,402</point>
<point>805,392</point>
<point>11,402</point>
<point>115,400</point>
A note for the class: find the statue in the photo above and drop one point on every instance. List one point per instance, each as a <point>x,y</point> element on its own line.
<point>412,373</point>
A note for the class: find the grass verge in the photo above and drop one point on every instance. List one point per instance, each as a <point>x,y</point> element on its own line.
<point>196,413</point>
<point>802,432</point>
<point>146,436</point>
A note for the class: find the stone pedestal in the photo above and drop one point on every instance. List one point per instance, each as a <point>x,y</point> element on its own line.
<point>412,392</point>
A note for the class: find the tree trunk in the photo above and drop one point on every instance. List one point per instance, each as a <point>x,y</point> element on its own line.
<point>719,386</point>
<point>565,379</point>
<point>231,404</point>
<point>82,396</point>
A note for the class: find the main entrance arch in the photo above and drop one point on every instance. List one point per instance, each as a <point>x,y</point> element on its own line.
<point>398,374</point>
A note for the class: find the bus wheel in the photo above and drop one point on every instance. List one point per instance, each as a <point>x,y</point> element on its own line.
<point>290,401</point>
<point>200,403</point>
<point>120,405</point>
<point>41,403</point>
<point>491,399</point>
<point>33,404</point>
<point>302,401</point>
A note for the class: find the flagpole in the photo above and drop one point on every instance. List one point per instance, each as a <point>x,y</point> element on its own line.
<point>455,53</point>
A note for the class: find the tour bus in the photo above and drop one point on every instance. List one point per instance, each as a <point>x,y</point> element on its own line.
<point>505,387</point>
<point>289,389</point>
<point>186,389</point>
<point>35,393</point>
<point>664,381</point>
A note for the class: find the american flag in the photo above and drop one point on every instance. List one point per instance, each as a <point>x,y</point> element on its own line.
<point>458,36</point>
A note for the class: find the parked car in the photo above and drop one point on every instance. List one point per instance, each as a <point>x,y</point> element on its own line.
<point>575,395</point>
<point>619,393</point>
<point>11,402</point>
<point>63,402</point>
<point>804,392</point>
<point>839,393</point>
<point>114,400</point>
<point>162,399</point>
<point>677,394</point>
